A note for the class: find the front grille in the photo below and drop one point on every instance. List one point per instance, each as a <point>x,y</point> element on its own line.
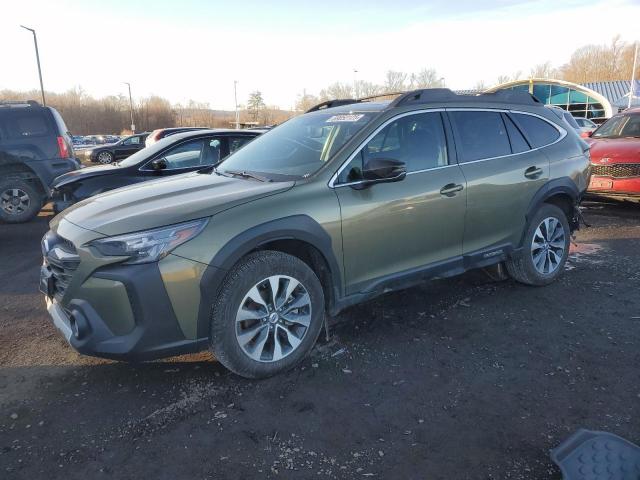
<point>620,170</point>
<point>62,260</point>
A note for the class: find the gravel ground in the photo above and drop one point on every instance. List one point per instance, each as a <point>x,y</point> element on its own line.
<point>461,378</point>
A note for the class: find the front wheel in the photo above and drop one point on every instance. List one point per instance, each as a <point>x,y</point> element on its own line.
<point>105,158</point>
<point>545,248</point>
<point>268,314</point>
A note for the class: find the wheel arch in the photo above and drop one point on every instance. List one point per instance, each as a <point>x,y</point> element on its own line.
<point>561,192</point>
<point>23,172</point>
<point>297,235</point>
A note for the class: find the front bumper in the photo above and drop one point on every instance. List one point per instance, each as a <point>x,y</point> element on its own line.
<point>611,186</point>
<point>155,332</point>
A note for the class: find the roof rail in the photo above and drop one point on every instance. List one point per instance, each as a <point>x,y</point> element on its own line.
<point>424,95</point>
<point>24,103</point>
<point>429,95</point>
<point>331,103</point>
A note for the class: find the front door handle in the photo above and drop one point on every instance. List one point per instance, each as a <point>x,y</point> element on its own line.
<point>533,172</point>
<point>450,189</point>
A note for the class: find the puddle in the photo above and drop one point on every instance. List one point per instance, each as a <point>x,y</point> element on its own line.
<point>582,253</point>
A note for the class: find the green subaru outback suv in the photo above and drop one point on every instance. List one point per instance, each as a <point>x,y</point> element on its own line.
<point>329,209</point>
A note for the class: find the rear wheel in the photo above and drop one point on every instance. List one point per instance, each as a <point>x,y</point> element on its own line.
<point>268,314</point>
<point>19,201</point>
<point>545,248</point>
<point>105,157</point>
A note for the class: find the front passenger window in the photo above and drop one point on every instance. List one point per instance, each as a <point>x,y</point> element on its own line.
<point>418,140</point>
<point>186,155</point>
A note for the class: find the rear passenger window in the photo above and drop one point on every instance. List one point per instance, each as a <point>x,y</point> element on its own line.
<point>518,142</point>
<point>480,135</point>
<point>538,131</point>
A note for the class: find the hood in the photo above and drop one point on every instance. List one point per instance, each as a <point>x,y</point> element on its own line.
<point>83,174</point>
<point>164,202</point>
<point>614,150</point>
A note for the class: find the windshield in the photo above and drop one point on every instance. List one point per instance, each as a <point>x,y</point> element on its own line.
<point>298,147</point>
<point>619,126</point>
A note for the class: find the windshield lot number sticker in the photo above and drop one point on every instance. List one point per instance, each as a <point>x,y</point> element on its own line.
<point>345,118</point>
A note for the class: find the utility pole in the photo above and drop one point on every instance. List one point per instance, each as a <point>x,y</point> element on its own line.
<point>133,125</point>
<point>35,41</point>
<point>633,75</point>
<point>235,96</point>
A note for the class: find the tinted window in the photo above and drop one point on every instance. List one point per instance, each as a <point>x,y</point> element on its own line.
<point>518,142</point>
<point>132,141</point>
<point>213,151</point>
<point>538,131</point>
<point>480,135</point>
<point>236,142</point>
<point>417,140</point>
<point>185,155</point>
<point>32,124</point>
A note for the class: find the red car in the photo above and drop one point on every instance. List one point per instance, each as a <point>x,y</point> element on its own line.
<point>615,157</point>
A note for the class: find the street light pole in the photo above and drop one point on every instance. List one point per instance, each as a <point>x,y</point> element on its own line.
<point>235,96</point>
<point>35,41</point>
<point>133,125</point>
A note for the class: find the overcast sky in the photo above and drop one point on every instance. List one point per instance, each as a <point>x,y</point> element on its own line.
<point>195,49</point>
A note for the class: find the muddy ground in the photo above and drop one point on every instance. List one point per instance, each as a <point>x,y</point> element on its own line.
<point>459,378</point>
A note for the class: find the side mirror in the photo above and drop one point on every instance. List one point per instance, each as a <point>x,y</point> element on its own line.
<point>159,164</point>
<point>379,170</point>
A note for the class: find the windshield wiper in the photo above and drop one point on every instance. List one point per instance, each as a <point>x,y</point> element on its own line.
<point>246,174</point>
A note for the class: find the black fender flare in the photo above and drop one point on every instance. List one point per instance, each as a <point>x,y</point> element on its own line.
<point>295,227</point>
<point>562,185</point>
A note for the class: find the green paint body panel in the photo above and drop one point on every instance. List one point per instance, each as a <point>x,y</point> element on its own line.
<point>373,233</point>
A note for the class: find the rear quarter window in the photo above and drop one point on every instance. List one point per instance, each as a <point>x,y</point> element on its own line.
<point>539,132</point>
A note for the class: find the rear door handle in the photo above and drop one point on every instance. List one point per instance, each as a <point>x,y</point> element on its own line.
<point>533,172</point>
<point>450,189</point>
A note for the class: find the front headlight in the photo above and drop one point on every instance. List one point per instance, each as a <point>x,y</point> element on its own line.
<point>150,245</point>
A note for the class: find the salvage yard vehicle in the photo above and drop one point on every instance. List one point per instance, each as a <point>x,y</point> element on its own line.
<point>110,152</point>
<point>332,208</point>
<point>180,153</point>
<point>615,157</point>
<point>35,148</point>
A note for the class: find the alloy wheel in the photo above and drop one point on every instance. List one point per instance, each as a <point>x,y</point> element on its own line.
<point>548,245</point>
<point>104,157</point>
<point>273,318</point>
<point>14,201</point>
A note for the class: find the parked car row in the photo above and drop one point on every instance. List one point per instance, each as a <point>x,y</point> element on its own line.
<point>331,208</point>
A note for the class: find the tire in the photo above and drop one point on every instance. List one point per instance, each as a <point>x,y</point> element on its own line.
<point>20,201</point>
<point>104,158</point>
<point>541,261</point>
<point>243,332</point>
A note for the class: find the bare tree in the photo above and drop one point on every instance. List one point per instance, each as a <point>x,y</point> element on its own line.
<point>395,81</point>
<point>426,78</point>
<point>306,101</point>
<point>543,70</point>
<point>337,90</point>
<point>600,63</point>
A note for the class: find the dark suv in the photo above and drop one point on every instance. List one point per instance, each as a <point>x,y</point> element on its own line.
<point>35,148</point>
<point>329,209</point>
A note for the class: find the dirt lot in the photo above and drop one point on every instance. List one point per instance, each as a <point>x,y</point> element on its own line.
<point>456,379</point>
